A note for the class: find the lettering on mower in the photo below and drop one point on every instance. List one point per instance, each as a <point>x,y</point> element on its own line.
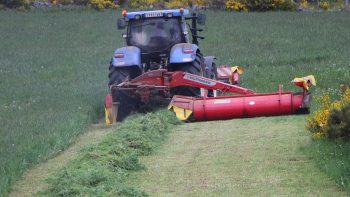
<point>199,80</point>
<point>222,101</point>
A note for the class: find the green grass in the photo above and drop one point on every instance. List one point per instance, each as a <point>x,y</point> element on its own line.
<point>333,158</point>
<point>53,68</point>
<point>102,169</point>
<point>53,71</point>
<point>241,157</point>
<point>274,47</point>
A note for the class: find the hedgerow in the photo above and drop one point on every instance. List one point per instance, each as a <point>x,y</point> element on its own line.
<point>236,5</point>
<point>102,169</point>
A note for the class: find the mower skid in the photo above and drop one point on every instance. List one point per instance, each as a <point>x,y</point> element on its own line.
<point>111,110</point>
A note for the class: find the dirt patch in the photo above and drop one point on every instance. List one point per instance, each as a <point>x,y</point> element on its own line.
<point>34,179</point>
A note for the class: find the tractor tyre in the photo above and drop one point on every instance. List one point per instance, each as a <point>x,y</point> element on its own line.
<point>197,68</point>
<point>127,103</point>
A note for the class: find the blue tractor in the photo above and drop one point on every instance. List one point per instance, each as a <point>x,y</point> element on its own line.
<point>158,40</point>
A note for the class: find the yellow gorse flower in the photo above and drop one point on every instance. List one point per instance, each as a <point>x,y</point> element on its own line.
<point>317,122</point>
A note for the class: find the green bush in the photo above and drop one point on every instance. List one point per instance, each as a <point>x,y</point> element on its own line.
<point>324,5</point>
<point>22,4</point>
<point>339,123</point>
<point>102,4</point>
<point>329,120</point>
<point>266,5</point>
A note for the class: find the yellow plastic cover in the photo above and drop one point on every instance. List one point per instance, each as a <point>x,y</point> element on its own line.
<point>238,69</point>
<point>181,114</point>
<point>305,81</point>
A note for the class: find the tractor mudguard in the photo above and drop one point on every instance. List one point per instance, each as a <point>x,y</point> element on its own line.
<point>208,61</point>
<point>126,57</point>
<point>183,53</point>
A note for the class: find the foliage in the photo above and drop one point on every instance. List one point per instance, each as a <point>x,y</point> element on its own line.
<point>324,5</point>
<point>102,4</point>
<point>220,4</point>
<point>235,5</point>
<point>303,4</point>
<point>102,169</point>
<point>62,2</point>
<point>143,3</point>
<point>265,5</point>
<point>19,4</point>
<point>330,120</point>
<point>339,122</point>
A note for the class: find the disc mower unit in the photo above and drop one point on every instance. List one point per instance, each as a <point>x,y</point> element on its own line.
<point>221,108</point>
<point>245,102</point>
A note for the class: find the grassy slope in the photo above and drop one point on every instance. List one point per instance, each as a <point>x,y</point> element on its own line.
<point>243,157</point>
<point>275,47</point>
<point>53,69</point>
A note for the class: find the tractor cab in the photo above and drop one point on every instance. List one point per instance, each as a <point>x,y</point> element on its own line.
<point>156,32</point>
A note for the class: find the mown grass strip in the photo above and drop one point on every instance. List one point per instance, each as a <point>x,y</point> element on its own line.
<point>102,169</point>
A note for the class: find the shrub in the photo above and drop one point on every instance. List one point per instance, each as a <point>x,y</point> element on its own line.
<point>19,4</point>
<point>221,4</point>
<point>143,3</point>
<point>102,4</point>
<point>303,4</point>
<point>62,2</point>
<point>235,5</point>
<point>184,3</point>
<point>81,2</point>
<point>339,123</point>
<point>324,5</point>
<point>266,5</point>
<point>330,121</point>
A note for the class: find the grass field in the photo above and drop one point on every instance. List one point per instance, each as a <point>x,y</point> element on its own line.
<point>242,157</point>
<point>53,71</point>
<point>53,68</point>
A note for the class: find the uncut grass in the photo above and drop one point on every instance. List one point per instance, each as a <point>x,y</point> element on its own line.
<point>333,158</point>
<point>274,47</point>
<point>53,71</point>
<point>54,67</point>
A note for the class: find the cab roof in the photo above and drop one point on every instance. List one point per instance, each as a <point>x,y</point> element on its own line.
<point>156,13</point>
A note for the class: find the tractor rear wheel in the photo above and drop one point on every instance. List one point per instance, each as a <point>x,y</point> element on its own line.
<point>127,103</point>
<point>196,68</point>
